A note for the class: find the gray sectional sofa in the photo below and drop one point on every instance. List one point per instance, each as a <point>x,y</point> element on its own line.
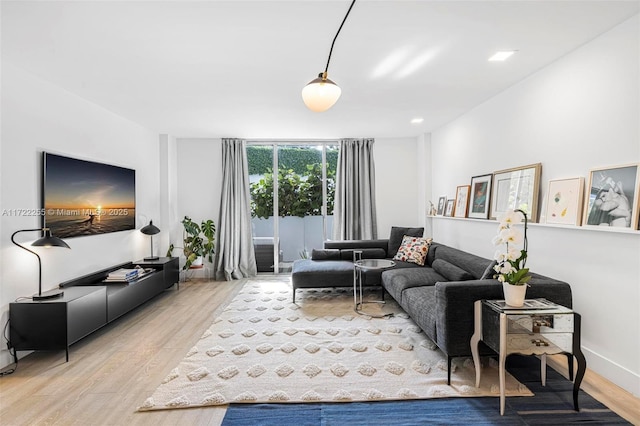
<point>438,296</point>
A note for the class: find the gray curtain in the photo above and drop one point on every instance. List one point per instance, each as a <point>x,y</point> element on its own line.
<point>354,211</point>
<point>235,257</point>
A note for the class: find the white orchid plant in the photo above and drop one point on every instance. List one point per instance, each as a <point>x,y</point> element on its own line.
<point>510,267</point>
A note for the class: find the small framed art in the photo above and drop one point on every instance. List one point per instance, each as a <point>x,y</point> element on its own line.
<point>442,205</point>
<point>480,196</point>
<point>462,201</point>
<point>516,188</point>
<point>564,201</point>
<point>612,197</point>
<point>450,207</point>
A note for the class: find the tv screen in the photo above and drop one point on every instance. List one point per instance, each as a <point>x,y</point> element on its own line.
<point>87,198</point>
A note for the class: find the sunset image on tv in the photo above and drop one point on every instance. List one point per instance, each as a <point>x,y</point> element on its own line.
<point>87,198</point>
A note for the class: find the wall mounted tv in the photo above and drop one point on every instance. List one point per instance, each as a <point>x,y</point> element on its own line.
<point>87,198</point>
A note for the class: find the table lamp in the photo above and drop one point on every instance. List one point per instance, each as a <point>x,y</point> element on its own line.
<point>48,240</point>
<point>151,230</point>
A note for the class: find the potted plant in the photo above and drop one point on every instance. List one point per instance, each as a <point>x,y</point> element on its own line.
<point>510,262</point>
<point>198,242</point>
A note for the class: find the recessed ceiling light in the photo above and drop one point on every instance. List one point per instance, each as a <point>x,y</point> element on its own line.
<point>502,55</point>
<point>417,120</point>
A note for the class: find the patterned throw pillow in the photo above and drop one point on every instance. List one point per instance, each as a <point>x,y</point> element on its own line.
<point>413,250</point>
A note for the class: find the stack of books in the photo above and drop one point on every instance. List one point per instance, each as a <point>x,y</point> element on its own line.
<point>122,275</point>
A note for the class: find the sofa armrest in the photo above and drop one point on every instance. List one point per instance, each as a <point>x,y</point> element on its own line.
<point>454,307</point>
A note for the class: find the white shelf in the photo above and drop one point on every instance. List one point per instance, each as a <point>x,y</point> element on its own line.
<point>549,225</point>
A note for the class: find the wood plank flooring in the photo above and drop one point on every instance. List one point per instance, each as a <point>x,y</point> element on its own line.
<point>112,372</point>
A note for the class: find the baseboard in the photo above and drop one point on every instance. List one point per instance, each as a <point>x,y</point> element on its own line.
<point>612,371</point>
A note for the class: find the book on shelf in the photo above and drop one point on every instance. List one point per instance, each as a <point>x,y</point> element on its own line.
<point>126,275</point>
<point>528,304</point>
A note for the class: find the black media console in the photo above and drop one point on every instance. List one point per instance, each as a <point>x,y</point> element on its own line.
<point>87,305</point>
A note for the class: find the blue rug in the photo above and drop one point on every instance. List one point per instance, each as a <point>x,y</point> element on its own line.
<point>551,405</point>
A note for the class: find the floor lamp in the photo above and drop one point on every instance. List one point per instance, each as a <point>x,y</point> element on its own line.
<point>48,240</point>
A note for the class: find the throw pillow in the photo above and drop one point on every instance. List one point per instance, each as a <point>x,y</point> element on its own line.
<point>489,272</point>
<point>325,254</point>
<point>396,236</point>
<point>450,271</point>
<point>413,250</point>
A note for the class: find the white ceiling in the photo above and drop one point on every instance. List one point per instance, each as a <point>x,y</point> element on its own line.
<point>236,68</point>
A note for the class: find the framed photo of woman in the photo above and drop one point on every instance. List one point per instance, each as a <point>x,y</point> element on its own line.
<point>480,196</point>
<point>462,201</point>
<point>612,197</point>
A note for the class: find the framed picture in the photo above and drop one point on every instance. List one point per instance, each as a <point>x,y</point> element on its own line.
<point>480,196</point>
<point>516,188</point>
<point>564,201</point>
<point>449,209</point>
<point>612,197</point>
<point>442,204</point>
<point>462,201</point>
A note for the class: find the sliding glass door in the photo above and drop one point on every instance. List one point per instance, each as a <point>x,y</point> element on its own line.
<point>292,190</point>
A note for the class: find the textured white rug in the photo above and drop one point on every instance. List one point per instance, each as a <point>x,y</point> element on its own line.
<point>263,348</point>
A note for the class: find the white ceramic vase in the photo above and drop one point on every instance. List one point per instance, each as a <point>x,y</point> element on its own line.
<point>514,294</point>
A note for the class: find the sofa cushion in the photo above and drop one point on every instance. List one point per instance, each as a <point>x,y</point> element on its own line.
<point>397,280</point>
<point>367,253</point>
<point>325,254</point>
<point>420,304</point>
<point>450,271</point>
<point>396,235</point>
<point>413,250</point>
<point>307,273</point>
<point>475,265</point>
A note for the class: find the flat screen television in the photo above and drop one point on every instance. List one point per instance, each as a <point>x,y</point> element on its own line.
<point>83,197</point>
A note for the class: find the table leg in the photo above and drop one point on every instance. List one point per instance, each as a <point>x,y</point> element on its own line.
<point>502,357</point>
<point>475,339</point>
<point>580,359</point>
<point>355,289</point>
<point>543,369</point>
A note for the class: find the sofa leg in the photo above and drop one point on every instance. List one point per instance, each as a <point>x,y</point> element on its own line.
<point>449,370</point>
<point>294,295</point>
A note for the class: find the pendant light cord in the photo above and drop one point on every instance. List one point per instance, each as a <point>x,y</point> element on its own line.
<point>324,76</point>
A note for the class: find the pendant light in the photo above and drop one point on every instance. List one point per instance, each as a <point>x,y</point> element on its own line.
<point>320,94</point>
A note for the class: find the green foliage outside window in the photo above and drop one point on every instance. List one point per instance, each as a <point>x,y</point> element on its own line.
<point>260,158</point>
<point>298,194</point>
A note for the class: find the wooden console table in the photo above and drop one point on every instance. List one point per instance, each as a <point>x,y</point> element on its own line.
<point>86,305</point>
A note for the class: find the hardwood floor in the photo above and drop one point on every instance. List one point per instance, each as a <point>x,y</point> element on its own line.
<point>112,372</point>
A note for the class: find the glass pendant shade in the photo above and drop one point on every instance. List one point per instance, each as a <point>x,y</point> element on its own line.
<point>320,94</point>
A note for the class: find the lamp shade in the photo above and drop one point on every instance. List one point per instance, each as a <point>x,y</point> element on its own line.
<point>48,240</point>
<point>320,94</point>
<point>150,229</point>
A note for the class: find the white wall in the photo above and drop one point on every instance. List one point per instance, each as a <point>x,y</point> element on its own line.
<point>199,181</point>
<point>579,113</point>
<point>36,117</point>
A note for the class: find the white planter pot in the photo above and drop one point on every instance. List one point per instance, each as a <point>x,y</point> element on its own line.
<point>197,264</point>
<point>514,294</point>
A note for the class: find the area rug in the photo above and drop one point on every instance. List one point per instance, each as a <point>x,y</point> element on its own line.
<point>265,349</point>
<point>551,405</point>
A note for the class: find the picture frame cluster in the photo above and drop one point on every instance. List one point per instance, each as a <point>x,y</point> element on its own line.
<point>610,198</point>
